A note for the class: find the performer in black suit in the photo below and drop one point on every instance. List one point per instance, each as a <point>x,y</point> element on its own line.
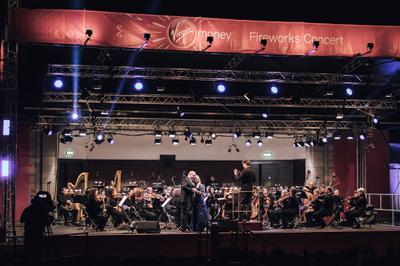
<point>246,178</point>
<point>358,205</point>
<point>186,199</point>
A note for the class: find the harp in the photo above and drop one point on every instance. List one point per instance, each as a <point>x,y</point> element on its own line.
<point>116,183</point>
<point>84,176</point>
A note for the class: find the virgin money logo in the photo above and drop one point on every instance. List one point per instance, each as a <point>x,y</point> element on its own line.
<point>182,33</point>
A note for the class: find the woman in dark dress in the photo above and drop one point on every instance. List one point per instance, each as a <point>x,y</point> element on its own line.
<point>199,211</point>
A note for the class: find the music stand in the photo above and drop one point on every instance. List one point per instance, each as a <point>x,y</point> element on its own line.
<point>169,220</point>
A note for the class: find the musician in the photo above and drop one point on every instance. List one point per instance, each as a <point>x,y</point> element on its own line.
<point>199,211</point>
<point>326,207</point>
<point>246,178</point>
<point>96,209</point>
<point>212,181</point>
<point>289,207</point>
<point>314,206</point>
<point>66,207</point>
<point>186,200</point>
<point>114,210</point>
<point>358,205</point>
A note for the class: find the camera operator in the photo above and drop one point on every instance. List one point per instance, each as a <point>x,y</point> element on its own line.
<point>35,218</point>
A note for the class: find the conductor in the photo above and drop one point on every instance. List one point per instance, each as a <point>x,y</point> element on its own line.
<point>246,178</point>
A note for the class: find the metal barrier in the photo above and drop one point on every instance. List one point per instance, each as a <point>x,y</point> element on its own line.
<point>386,203</point>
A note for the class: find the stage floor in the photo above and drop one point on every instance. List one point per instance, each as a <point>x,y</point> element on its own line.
<point>173,244</point>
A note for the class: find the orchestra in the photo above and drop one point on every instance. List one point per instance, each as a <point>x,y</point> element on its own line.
<point>192,206</point>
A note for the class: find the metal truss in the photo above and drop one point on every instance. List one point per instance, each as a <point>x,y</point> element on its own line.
<point>196,125</point>
<point>236,60</point>
<point>91,71</point>
<point>238,101</point>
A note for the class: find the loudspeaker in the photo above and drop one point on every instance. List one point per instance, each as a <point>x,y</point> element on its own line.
<point>148,227</point>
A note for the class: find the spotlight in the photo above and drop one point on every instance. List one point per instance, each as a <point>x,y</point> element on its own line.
<point>158,133</point>
<point>336,135</point>
<point>74,115</point>
<point>221,88</point>
<point>274,89</point>
<point>138,86</point>
<point>48,131</point>
<point>172,133</point>
<point>180,112</point>
<point>312,142</point>
<point>263,42</point>
<point>230,148</point>
<point>105,111</point>
<point>349,91</point>
<point>248,142</point>
<point>315,44</point>
<point>66,132</point>
<point>188,133</point>
<point>193,141</point>
<point>66,139</point>
<point>58,84</point>
<point>375,120</point>
<point>307,143</point>
<point>210,39</point>
<point>269,135</point>
<point>213,135</point>
<point>256,134</point>
<point>324,139</point>
<point>175,142</point>
<point>96,83</point>
<point>370,46</point>
<point>99,136</point>
<point>208,142</point>
<point>260,143</point>
<point>237,133</point>
<point>157,141</point>
<point>110,139</point>
<point>249,96</point>
<point>146,37</point>
<point>82,132</point>
<point>350,135</point>
<point>300,144</point>
<point>339,115</point>
<point>264,115</point>
<point>362,135</point>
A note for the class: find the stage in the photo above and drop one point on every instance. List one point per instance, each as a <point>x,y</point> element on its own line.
<point>173,244</point>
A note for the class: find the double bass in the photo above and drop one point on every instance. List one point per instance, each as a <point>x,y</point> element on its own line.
<point>255,204</point>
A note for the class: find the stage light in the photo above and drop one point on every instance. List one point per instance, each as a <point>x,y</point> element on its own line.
<point>146,37</point>
<point>6,127</point>
<point>97,84</point>
<point>375,120</point>
<point>99,136</point>
<point>349,91</point>
<point>172,133</point>
<point>82,132</point>
<point>294,144</point>
<point>264,115</point>
<point>315,44</point>
<point>256,134</point>
<point>208,142</point>
<point>248,142</point>
<point>237,133</point>
<point>105,111</point>
<point>188,133</point>
<point>110,139</point>
<point>48,130</point>
<point>350,135</point>
<point>74,115</point>
<point>193,141</point>
<point>362,135</point>
<point>300,144</point>
<point>312,142</point>
<point>221,88</point>
<point>66,132</point>
<point>370,46</point>
<point>158,133</point>
<point>157,141</point>
<point>336,135</point>
<point>180,112</point>
<point>307,144</point>
<point>324,139</point>
<point>66,139</point>
<point>260,143</point>
<point>138,86</point>
<point>274,89</point>
<point>269,135</point>
<point>58,84</point>
<point>213,135</point>
<point>175,142</point>
<point>5,168</point>
<point>89,33</point>
<point>202,139</point>
<point>339,115</point>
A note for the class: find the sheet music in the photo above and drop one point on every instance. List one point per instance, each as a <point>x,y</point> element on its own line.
<point>166,201</point>
<point>122,200</point>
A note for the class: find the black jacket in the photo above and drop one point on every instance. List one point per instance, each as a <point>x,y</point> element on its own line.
<point>186,191</point>
<point>246,179</point>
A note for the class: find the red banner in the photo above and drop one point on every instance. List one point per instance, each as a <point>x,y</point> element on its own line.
<point>190,33</point>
